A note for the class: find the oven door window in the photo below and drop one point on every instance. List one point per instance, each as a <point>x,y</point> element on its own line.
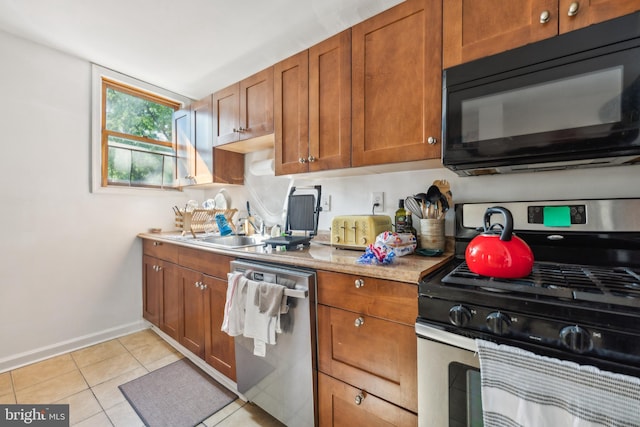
<point>591,105</point>
<point>465,400</point>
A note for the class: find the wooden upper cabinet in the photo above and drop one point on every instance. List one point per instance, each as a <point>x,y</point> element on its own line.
<point>396,77</point>
<point>593,11</point>
<point>479,28</point>
<point>291,112</point>
<point>244,110</point>
<point>330,103</point>
<point>474,29</point>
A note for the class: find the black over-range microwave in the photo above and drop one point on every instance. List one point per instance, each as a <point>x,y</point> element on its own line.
<point>565,102</point>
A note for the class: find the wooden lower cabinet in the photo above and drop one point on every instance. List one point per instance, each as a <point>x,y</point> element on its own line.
<point>367,351</point>
<point>378,356</point>
<point>219,348</point>
<point>343,405</point>
<point>185,298</point>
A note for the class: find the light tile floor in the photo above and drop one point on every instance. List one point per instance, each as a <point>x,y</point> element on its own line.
<point>88,381</point>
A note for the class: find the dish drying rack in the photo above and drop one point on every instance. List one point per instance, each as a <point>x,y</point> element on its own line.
<point>195,221</point>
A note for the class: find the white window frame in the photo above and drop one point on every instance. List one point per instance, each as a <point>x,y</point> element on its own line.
<point>97,73</point>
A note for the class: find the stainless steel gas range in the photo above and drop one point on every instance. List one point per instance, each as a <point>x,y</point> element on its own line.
<point>581,302</point>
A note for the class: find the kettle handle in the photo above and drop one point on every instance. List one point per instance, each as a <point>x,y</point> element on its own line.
<point>507,230</point>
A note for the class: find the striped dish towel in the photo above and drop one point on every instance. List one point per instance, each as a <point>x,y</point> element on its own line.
<point>523,389</point>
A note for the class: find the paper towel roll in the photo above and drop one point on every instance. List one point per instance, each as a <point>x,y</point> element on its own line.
<point>262,167</point>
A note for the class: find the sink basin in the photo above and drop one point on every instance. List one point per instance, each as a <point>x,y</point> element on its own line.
<point>229,241</point>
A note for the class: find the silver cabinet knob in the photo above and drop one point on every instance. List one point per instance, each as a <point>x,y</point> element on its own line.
<point>359,398</point>
<point>359,283</point>
<point>197,284</point>
<point>311,159</point>
<point>203,286</point>
<point>157,243</point>
<point>573,8</point>
<point>432,140</point>
<point>545,16</point>
<point>302,160</point>
<point>158,268</point>
<point>359,322</point>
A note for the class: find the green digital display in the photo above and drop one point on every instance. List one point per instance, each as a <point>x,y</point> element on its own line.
<point>556,216</point>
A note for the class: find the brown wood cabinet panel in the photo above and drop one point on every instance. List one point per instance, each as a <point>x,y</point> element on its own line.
<point>291,111</point>
<point>376,355</point>
<point>228,167</point>
<point>338,407</point>
<point>244,110</point>
<point>330,103</point>
<point>161,250</point>
<point>593,11</point>
<point>206,262</point>
<point>256,104</point>
<point>202,141</point>
<point>219,347</point>
<point>376,297</point>
<point>396,69</point>
<point>152,283</point>
<point>474,29</point>
<point>192,311</point>
<point>171,301</point>
<point>226,115</point>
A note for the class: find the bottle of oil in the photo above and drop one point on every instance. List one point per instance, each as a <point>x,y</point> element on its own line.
<point>401,218</point>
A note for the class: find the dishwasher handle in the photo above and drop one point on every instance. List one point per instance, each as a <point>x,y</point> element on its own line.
<point>296,293</point>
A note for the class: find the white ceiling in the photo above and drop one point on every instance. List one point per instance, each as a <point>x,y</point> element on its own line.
<point>191,47</point>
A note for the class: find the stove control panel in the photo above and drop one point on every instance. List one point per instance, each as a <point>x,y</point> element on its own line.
<point>557,215</point>
<point>475,321</point>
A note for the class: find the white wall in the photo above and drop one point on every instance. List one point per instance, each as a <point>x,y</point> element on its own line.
<point>70,263</point>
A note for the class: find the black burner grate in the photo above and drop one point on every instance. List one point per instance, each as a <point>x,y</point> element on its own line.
<point>610,285</point>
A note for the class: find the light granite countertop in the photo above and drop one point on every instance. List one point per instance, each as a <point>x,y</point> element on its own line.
<point>320,255</point>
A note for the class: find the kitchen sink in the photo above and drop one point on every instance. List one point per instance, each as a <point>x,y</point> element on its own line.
<point>231,242</point>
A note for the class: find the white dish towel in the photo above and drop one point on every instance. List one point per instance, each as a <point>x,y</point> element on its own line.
<point>523,389</point>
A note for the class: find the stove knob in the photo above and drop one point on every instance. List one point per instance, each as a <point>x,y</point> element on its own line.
<point>459,315</point>
<point>498,323</point>
<point>576,339</point>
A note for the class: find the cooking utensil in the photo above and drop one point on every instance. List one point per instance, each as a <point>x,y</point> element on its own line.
<point>434,198</point>
<point>414,206</point>
<point>499,253</point>
<point>424,203</point>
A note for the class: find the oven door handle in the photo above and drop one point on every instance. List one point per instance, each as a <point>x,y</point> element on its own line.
<point>438,334</point>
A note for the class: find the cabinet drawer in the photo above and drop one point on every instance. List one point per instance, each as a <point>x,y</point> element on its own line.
<point>375,355</point>
<point>205,262</point>
<point>338,407</point>
<point>374,297</point>
<point>161,250</point>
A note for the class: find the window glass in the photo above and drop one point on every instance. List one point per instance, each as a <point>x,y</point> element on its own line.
<point>137,143</point>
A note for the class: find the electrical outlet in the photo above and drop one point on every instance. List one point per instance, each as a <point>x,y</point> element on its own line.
<point>325,202</point>
<point>377,197</point>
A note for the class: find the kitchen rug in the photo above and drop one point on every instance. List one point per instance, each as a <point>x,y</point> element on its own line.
<point>177,395</point>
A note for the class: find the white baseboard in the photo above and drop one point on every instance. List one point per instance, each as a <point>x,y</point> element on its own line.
<point>42,353</point>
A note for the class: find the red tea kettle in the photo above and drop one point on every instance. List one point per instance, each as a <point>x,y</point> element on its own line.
<point>499,253</point>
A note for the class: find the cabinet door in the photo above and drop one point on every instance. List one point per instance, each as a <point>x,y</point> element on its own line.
<point>291,111</point>
<point>226,115</point>
<point>397,91</point>
<point>171,300</point>
<point>474,29</point>
<point>182,135</point>
<point>342,405</point>
<point>593,11</point>
<point>256,105</point>
<point>201,149</point>
<point>151,289</point>
<point>330,103</point>
<point>219,347</point>
<point>379,356</point>
<point>192,312</point>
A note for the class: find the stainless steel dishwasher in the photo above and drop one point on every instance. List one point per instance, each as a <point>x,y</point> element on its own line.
<point>283,383</point>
